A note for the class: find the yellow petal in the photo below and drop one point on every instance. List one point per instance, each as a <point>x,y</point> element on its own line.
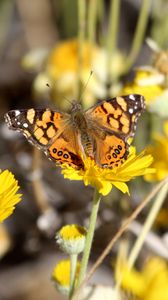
<point>8,197</point>
<point>103,178</point>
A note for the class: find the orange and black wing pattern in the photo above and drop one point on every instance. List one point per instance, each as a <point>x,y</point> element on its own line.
<point>118,114</point>
<point>114,121</point>
<point>49,131</point>
<point>40,126</point>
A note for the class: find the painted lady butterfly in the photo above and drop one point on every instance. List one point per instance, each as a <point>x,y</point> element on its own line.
<point>101,132</point>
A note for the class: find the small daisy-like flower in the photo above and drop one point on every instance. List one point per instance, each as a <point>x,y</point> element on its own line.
<point>148,284</point>
<point>8,194</point>
<point>104,179</point>
<point>61,276</point>
<point>71,238</point>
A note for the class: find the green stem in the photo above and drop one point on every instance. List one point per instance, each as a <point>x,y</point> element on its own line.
<point>139,34</point>
<point>148,224</point>
<point>92,13</point>
<point>81,39</point>
<point>100,21</point>
<point>73,259</point>
<point>6,11</point>
<point>112,33</point>
<point>89,237</point>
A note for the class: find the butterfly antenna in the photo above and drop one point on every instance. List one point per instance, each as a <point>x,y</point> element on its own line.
<point>69,101</point>
<point>85,86</point>
<point>47,84</point>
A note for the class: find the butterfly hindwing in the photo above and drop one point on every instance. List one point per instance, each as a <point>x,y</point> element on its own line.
<point>65,149</point>
<point>111,151</point>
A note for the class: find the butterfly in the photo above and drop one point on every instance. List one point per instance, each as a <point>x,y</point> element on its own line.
<point>101,132</point>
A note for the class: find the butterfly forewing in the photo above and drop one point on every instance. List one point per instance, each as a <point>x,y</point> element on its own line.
<point>39,126</point>
<point>118,114</point>
<point>48,130</point>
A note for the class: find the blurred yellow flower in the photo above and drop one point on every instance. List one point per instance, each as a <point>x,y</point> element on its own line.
<point>60,71</point>
<point>159,151</point>
<point>146,83</point>
<point>64,58</point>
<point>61,275</point>
<point>148,284</point>
<point>165,128</point>
<point>8,197</point>
<point>104,179</point>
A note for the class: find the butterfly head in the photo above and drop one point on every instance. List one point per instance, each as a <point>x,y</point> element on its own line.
<point>76,106</point>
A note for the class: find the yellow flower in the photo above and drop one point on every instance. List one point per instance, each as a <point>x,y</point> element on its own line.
<point>146,83</point>
<point>156,278</point>
<point>61,275</point>
<point>132,281</point>
<point>60,71</point>
<point>104,179</point>
<point>64,57</point>
<point>71,238</point>
<point>8,197</point>
<point>159,151</point>
<point>148,284</point>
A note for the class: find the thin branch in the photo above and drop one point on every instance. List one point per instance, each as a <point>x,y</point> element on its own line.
<point>119,233</point>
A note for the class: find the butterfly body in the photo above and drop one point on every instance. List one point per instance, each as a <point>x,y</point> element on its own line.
<point>100,132</point>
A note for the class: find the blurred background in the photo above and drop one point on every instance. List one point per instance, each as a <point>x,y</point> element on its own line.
<point>40,65</point>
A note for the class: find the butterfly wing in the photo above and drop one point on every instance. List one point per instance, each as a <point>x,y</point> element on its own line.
<point>119,114</point>
<point>48,130</point>
<point>112,122</point>
<point>65,149</point>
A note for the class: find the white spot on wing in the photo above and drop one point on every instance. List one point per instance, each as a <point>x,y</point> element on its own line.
<point>131,110</point>
<point>25,125</point>
<point>132,97</point>
<point>17,112</point>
